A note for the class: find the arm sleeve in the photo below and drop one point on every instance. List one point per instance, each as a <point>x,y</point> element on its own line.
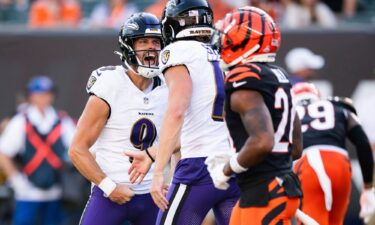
<point>358,137</point>
<point>68,130</point>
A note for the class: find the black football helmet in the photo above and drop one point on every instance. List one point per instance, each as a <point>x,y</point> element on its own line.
<point>186,19</point>
<point>137,26</point>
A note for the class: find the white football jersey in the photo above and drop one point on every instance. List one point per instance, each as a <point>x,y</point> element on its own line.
<point>133,124</point>
<point>204,130</point>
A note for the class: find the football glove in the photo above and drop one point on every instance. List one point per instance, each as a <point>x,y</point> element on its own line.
<point>367,202</point>
<point>215,166</point>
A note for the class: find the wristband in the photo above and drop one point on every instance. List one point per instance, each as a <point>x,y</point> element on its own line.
<point>235,166</point>
<point>107,186</point>
<point>149,155</point>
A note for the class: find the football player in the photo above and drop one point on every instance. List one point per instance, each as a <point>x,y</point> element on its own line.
<point>194,118</point>
<point>261,120</point>
<point>124,111</point>
<point>324,169</point>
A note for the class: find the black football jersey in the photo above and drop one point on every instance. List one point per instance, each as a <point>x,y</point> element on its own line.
<point>273,84</point>
<point>323,123</point>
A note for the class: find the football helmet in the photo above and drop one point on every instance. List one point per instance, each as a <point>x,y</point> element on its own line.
<point>305,91</point>
<point>137,26</point>
<point>186,19</point>
<point>247,34</point>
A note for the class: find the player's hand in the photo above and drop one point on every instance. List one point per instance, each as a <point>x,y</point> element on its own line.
<point>215,166</point>
<point>122,194</point>
<point>140,166</point>
<point>367,202</point>
<point>158,191</point>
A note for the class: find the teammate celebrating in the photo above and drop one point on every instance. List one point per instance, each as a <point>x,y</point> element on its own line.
<point>260,118</point>
<point>194,115</point>
<point>324,170</point>
<point>124,111</point>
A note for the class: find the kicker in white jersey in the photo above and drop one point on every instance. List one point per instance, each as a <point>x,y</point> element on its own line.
<point>133,123</point>
<point>203,131</point>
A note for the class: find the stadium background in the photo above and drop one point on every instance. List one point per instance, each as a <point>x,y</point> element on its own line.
<point>69,55</point>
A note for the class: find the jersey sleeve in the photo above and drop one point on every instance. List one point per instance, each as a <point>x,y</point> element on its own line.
<point>175,54</point>
<point>101,84</point>
<point>13,137</point>
<point>244,77</point>
<point>68,130</point>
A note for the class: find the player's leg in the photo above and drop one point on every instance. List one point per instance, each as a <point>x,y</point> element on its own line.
<point>26,212</point>
<point>143,210</point>
<point>340,175</point>
<point>279,210</point>
<point>226,201</point>
<point>236,216</point>
<point>313,202</point>
<point>52,213</point>
<point>100,210</point>
<point>187,204</point>
<point>209,219</point>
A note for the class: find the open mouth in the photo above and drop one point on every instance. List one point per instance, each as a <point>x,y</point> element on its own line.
<point>150,59</point>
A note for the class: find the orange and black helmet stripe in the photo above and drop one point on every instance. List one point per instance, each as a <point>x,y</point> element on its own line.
<point>241,72</point>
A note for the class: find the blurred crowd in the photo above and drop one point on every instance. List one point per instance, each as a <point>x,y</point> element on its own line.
<point>109,14</point>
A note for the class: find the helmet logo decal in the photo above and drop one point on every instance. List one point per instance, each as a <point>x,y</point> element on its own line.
<point>132,26</point>
<point>165,56</point>
<point>182,22</point>
<point>193,13</point>
<point>91,82</point>
<point>274,42</point>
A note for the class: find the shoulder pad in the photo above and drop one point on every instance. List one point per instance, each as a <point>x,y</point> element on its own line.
<point>243,71</point>
<point>177,53</point>
<point>344,102</point>
<point>99,74</point>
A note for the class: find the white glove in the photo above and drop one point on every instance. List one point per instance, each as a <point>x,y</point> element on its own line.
<point>367,202</point>
<point>215,166</point>
<point>18,182</point>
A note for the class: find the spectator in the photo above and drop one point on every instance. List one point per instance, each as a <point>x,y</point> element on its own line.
<point>36,140</point>
<point>54,13</point>
<point>302,64</point>
<point>272,8</point>
<point>219,7</point>
<point>5,9</point>
<point>304,13</point>
<point>112,14</point>
<point>157,8</point>
<point>346,8</point>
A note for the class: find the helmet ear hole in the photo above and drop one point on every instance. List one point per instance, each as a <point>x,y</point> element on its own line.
<point>132,58</point>
<point>229,41</point>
